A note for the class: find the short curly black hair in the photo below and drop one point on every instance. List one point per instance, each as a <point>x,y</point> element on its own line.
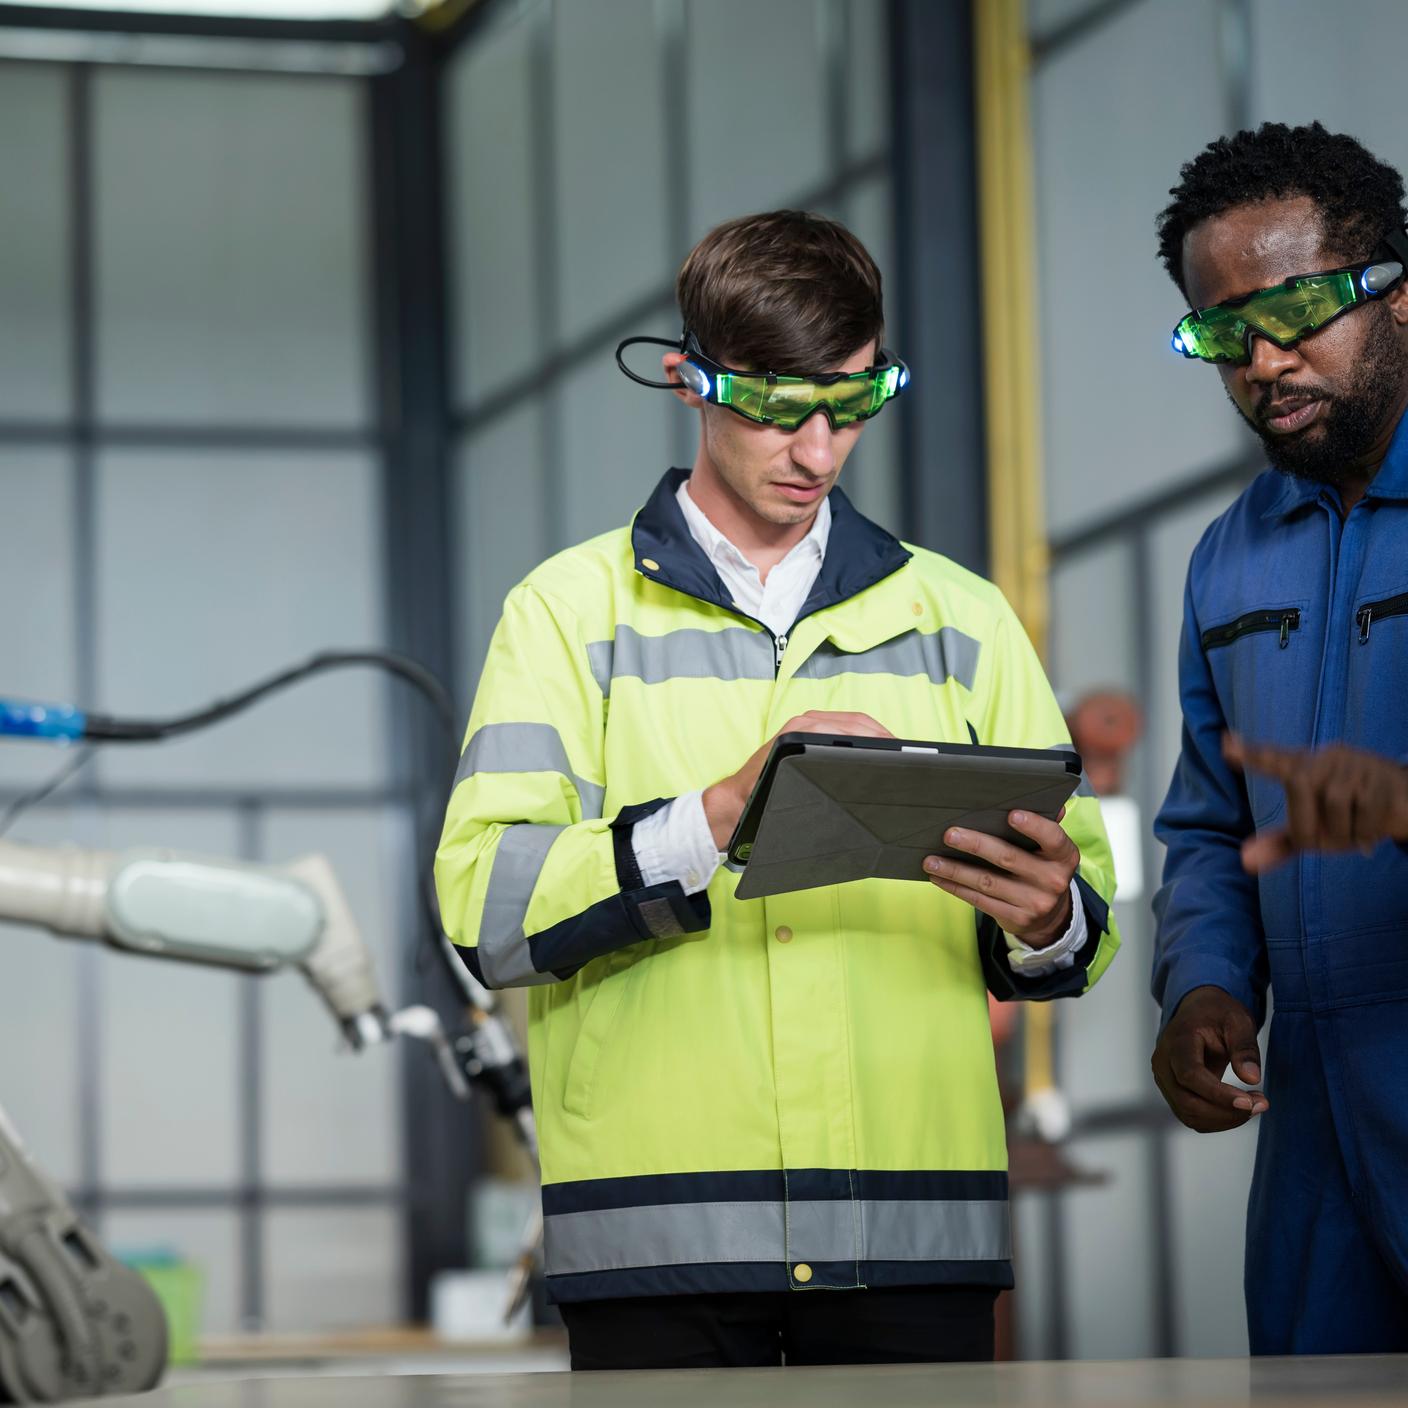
<point>1360,197</point>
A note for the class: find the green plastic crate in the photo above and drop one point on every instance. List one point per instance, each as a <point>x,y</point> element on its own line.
<point>180,1287</point>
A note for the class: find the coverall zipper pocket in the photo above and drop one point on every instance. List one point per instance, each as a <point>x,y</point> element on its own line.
<point>1375,610</point>
<point>1283,619</point>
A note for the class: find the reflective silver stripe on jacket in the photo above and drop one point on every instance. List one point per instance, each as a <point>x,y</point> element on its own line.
<point>817,1231</point>
<point>941,655</point>
<point>527,748</point>
<point>504,956</point>
<point>734,653</point>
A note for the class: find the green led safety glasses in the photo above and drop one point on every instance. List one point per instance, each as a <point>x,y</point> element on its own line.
<point>784,401</point>
<point>1283,313</point>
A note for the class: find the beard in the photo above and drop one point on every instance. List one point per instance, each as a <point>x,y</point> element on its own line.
<point>1354,417</point>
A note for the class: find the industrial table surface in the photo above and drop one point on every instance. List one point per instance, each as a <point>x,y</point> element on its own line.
<point>1154,1383</point>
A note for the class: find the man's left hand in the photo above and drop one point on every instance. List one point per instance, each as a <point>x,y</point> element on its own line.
<point>1027,892</point>
<point>1337,799</point>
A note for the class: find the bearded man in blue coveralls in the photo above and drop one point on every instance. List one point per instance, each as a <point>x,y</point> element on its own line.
<point>1286,822</point>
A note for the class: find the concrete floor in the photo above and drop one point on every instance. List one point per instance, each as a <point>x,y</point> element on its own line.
<point>1167,1383</point>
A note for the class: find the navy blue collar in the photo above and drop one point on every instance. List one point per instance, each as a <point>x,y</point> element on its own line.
<point>859,553</point>
<point>1391,482</point>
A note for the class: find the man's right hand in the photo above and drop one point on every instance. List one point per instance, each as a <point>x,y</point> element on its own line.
<point>725,800</point>
<point>1209,1030</point>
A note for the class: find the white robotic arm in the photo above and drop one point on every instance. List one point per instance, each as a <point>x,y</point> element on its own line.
<point>163,904</point>
<point>74,1321</point>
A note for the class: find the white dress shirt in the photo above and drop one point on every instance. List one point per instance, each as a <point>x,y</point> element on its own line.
<point>675,843</point>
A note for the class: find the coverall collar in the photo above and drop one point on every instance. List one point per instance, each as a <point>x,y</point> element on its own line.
<point>859,553</point>
<point>1391,482</point>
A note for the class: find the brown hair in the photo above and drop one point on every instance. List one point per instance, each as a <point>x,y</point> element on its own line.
<point>785,291</point>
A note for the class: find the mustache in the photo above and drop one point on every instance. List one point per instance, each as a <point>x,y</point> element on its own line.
<point>1289,391</point>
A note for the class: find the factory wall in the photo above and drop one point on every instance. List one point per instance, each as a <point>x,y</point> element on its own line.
<point>190,497</point>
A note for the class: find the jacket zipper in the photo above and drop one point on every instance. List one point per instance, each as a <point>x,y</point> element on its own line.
<point>1285,620</point>
<point>779,645</point>
<point>1374,610</point>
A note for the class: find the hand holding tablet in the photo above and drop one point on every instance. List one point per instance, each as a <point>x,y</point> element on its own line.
<point>726,801</point>
<point>833,808</point>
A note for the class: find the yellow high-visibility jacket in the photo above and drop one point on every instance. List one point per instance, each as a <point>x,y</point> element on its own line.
<point>732,1095</point>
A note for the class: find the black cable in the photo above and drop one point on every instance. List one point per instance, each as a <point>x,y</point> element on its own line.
<point>105,728</point>
<point>46,789</point>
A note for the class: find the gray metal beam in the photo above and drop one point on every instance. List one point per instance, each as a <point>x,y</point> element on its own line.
<point>943,475</point>
<point>443,1139</point>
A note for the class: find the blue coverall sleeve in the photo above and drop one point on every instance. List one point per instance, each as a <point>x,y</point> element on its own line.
<point>1208,915</point>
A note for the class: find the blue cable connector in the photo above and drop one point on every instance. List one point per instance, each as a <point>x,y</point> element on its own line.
<point>59,723</point>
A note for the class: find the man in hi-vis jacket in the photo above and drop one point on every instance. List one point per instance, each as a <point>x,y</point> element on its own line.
<point>771,1127</point>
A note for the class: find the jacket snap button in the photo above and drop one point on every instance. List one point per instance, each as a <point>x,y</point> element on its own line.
<point>802,1272</point>
<point>917,609</point>
<point>650,564</point>
<point>784,934</point>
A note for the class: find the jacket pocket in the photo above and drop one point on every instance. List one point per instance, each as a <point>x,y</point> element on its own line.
<point>1282,619</point>
<point>596,1029</point>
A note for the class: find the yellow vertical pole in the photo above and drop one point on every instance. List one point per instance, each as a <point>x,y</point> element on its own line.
<point>1006,223</point>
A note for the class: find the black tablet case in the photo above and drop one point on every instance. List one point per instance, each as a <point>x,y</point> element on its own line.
<point>824,813</point>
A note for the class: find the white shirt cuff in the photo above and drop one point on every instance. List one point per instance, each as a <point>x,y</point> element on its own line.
<point>675,843</point>
<point>1033,962</point>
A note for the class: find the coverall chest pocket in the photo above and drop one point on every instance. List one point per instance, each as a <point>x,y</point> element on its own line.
<point>1376,714</point>
<point>1260,663</point>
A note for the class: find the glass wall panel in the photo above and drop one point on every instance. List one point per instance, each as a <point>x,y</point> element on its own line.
<point>865,57</point>
<point>333,1268</point>
<point>330,1114</point>
<point>1044,15</point>
<point>1091,641</point>
<point>209,1240</point>
<point>615,445</point>
<point>217,567</point>
<point>169,1036</point>
<point>1211,1176</point>
<point>1110,1306</point>
<point>613,230</point>
<point>734,143</point>
<point>34,235</point>
<point>1106,1039</point>
<point>1349,78</point>
<point>1124,415</point>
<point>492,119</point>
<point>1171,547</point>
<point>1034,1305</point>
<point>231,258</point>
<point>501,521</point>
<point>38,644</point>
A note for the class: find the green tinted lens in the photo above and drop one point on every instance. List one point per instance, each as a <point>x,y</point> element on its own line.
<point>1310,303</point>
<point>1219,334</point>
<point>787,401</point>
<point>1216,335</point>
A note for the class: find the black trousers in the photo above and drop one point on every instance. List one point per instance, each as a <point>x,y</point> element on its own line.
<point>915,1325</point>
